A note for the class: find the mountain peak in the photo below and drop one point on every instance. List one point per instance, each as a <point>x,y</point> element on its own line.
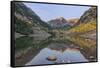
<point>60,18</point>
<point>58,22</point>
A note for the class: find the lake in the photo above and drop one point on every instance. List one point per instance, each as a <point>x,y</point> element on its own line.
<point>35,51</point>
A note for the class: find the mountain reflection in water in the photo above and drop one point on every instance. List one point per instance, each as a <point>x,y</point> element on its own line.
<point>62,50</point>
<point>67,56</point>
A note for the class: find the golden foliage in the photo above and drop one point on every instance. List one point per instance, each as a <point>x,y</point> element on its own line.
<point>82,28</point>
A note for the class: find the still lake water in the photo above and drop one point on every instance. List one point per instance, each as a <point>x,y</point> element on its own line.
<point>63,51</point>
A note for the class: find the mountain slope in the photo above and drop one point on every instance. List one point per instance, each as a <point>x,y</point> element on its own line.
<point>83,28</point>
<point>73,21</point>
<point>89,16</point>
<point>86,23</point>
<point>26,19</point>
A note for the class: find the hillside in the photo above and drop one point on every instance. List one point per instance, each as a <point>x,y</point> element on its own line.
<point>26,19</point>
<point>89,15</point>
<point>83,28</point>
<point>86,23</point>
<point>73,21</point>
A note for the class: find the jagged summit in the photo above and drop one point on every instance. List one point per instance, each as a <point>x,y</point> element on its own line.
<point>58,22</point>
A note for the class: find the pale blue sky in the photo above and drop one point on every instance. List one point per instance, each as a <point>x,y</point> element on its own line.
<point>51,11</point>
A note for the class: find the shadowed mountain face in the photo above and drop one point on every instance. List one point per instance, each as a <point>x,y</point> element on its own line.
<point>26,19</point>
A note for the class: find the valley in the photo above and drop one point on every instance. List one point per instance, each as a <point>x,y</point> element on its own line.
<point>59,37</point>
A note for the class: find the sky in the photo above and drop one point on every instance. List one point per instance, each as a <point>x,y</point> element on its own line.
<point>52,11</point>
